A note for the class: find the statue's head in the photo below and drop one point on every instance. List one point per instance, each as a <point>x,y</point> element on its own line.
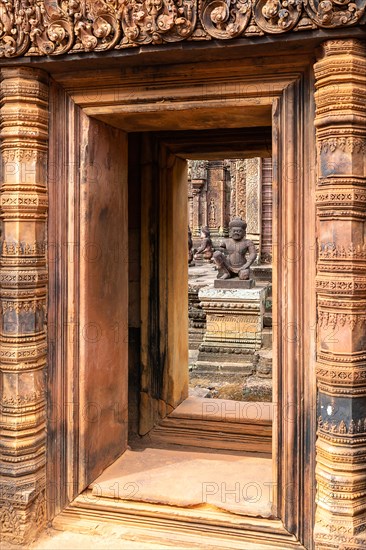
<point>205,232</point>
<point>237,229</point>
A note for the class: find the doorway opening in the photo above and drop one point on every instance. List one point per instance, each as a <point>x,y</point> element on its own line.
<point>191,451</point>
<point>230,342</point>
<point>157,345</point>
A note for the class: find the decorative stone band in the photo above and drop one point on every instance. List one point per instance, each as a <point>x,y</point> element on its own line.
<point>330,251</point>
<point>234,295</point>
<point>347,286</point>
<point>55,27</point>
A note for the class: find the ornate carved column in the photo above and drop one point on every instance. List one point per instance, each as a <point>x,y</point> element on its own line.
<point>215,197</point>
<point>24,132</point>
<point>190,202</point>
<point>196,211</point>
<point>241,193</point>
<point>238,203</point>
<point>233,198</point>
<point>198,174</point>
<point>341,295</point>
<point>253,187</point>
<point>266,249</point>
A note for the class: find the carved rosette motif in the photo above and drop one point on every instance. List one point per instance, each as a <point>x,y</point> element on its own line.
<point>225,19</point>
<point>341,286</point>
<point>55,27</point>
<point>23,294</point>
<point>277,16</point>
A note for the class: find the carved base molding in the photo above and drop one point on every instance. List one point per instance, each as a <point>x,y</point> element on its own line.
<point>23,295</point>
<point>341,292</point>
<point>21,521</point>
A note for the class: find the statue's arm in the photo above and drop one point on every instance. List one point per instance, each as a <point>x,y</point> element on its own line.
<point>222,244</point>
<point>252,254</point>
<point>202,247</point>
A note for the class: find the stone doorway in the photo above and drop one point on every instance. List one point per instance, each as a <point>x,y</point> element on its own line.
<point>218,81</point>
<point>172,425</point>
<point>169,385</point>
<point>175,146</point>
<point>225,440</point>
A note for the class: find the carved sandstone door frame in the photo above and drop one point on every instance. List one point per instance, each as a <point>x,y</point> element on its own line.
<point>279,93</point>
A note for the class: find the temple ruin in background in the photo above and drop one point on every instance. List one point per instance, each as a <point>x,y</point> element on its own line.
<point>231,348</point>
<point>221,190</point>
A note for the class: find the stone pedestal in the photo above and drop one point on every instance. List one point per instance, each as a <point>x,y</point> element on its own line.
<point>234,323</point>
<point>234,283</point>
<point>196,318</point>
<point>261,272</point>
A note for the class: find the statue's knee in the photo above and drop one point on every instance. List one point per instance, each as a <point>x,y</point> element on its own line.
<point>244,274</point>
<point>218,257</point>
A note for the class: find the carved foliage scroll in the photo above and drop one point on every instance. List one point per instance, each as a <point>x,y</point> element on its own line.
<point>55,27</point>
<point>157,21</point>
<point>334,13</point>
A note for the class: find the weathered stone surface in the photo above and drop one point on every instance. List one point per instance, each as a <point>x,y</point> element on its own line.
<point>252,295</point>
<point>150,475</point>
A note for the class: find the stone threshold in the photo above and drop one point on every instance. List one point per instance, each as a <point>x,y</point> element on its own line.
<point>190,477</point>
<point>202,527</point>
<point>196,525</point>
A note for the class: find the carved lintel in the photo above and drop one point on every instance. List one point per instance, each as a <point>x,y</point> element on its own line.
<point>56,27</point>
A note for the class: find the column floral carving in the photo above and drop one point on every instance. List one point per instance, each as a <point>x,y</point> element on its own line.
<point>23,135</point>
<point>239,187</point>
<point>266,249</point>
<point>253,197</point>
<point>341,295</point>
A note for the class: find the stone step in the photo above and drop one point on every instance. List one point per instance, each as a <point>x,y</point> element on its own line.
<point>218,424</point>
<point>258,388</point>
<point>222,369</point>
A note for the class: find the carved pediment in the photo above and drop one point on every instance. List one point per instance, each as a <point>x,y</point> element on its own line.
<point>54,27</point>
